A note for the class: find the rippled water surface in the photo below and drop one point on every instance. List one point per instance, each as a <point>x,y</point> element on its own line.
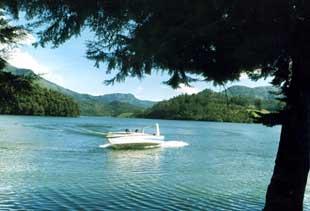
<point>56,163</point>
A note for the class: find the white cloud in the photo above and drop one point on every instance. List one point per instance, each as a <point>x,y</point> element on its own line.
<point>22,59</point>
<point>139,92</point>
<point>183,89</point>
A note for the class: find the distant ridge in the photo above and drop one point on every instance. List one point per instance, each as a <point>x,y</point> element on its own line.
<point>236,104</point>
<point>126,98</point>
<point>261,92</point>
<point>117,104</point>
<point>127,105</point>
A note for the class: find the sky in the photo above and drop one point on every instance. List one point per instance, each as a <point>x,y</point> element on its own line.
<point>68,66</point>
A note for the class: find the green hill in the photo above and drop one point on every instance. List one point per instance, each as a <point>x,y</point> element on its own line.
<point>236,104</point>
<point>212,106</point>
<point>265,97</point>
<point>31,99</point>
<point>125,98</point>
<point>262,92</point>
<point>105,105</point>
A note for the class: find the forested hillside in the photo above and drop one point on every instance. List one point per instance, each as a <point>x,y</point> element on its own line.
<point>34,101</point>
<point>261,92</point>
<point>117,104</point>
<point>236,104</point>
<point>212,106</point>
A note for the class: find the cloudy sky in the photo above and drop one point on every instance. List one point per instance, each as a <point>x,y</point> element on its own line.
<point>67,66</point>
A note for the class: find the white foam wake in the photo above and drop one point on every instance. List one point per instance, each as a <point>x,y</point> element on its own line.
<point>105,145</point>
<point>173,144</point>
<point>93,132</point>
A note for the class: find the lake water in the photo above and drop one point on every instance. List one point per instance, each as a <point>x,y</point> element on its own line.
<point>56,163</point>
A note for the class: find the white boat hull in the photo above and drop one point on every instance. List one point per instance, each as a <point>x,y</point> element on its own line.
<point>135,140</point>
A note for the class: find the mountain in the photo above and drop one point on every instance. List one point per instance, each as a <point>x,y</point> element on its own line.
<point>241,104</point>
<point>18,71</point>
<point>126,98</point>
<point>105,105</point>
<point>261,92</point>
<point>206,105</point>
<point>23,97</point>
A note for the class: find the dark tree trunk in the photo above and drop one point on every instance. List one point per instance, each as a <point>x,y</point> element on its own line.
<point>288,183</point>
<point>287,186</point>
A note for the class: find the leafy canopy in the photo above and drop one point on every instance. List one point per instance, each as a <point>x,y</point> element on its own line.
<point>10,85</point>
<point>9,37</point>
<point>214,39</point>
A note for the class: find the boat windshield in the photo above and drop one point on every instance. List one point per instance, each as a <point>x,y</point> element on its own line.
<point>156,126</point>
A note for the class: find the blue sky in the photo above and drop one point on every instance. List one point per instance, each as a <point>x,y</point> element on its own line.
<point>68,67</point>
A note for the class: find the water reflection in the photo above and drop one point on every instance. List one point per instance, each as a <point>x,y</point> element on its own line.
<point>134,161</point>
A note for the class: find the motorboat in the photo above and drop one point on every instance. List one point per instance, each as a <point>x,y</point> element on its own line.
<point>134,139</point>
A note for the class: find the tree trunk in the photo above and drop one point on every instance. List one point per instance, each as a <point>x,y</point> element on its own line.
<point>288,183</point>
<point>287,186</point>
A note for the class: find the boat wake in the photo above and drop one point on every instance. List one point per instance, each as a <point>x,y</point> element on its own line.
<point>164,144</point>
<point>105,145</point>
<point>173,144</point>
<point>92,132</point>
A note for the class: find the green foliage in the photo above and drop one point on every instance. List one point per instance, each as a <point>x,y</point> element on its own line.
<point>33,100</point>
<point>125,98</point>
<point>115,108</point>
<point>209,106</point>
<point>9,36</point>
<point>262,92</point>
<point>217,40</point>
<point>10,85</point>
<point>89,105</point>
